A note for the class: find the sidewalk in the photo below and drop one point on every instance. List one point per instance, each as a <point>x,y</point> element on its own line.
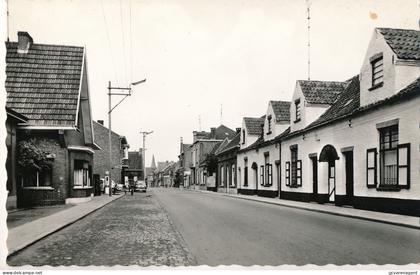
<point>21,236</point>
<point>395,219</point>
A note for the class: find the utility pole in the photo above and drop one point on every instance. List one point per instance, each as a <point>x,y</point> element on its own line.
<point>308,9</point>
<point>125,92</point>
<point>7,14</point>
<point>144,133</point>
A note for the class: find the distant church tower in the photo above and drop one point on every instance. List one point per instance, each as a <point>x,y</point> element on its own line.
<point>153,164</point>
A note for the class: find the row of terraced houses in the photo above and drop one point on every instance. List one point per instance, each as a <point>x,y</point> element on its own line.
<point>354,142</point>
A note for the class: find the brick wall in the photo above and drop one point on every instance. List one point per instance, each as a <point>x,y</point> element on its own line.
<point>101,157</point>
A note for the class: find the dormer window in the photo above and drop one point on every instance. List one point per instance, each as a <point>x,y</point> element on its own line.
<point>297,110</point>
<point>377,63</point>
<point>269,125</point>
<point>243,136</point>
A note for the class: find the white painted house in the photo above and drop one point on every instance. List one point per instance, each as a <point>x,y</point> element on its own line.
<point>259,155</point>
<point>357,142</point>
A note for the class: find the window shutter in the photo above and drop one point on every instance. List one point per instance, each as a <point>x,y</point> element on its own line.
<point>270,174</point>
<point>371,167</point>
<point>287,173</point>
<point>262,174</point>
<point>404,165</point>
<point>299,173</point>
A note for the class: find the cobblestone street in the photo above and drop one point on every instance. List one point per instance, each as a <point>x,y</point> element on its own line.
<point>133,230</point>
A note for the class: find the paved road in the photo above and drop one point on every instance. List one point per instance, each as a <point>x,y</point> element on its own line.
<point>133,230</point>
<point>223,230</point>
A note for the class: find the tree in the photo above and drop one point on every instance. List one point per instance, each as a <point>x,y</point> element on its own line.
<point>32,156</point>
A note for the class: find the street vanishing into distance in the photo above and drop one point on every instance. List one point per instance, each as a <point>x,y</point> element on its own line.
<point>177,227</point>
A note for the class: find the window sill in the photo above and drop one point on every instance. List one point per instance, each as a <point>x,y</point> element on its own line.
<point>294,186</point>
<point>376,86</point>
<point>389,188</point>
<point>38,188</point>
<point>269,133</point>
<point>82,187</point>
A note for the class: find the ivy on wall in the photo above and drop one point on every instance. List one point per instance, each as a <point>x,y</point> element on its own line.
<point>31,155</point>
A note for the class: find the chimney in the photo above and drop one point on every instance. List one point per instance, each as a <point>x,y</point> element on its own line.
<point>194,136</point>
<point>238,130</point>
<point>262,130</point>
<point>213,132</point>
<point>180,147</point>
<point>101,122</point>
<point>24,42</point>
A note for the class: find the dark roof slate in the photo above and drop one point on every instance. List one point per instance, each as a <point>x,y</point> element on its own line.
<point>221,133</point>
<point>321,92</point>
<point>347,102</point>
<point>253,125</point>
<point>234,143</point>
<point>281,110</point>
<point>404,43</point>
<point>43,84</point>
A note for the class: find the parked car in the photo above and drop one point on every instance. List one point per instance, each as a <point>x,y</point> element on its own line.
<point>119,186</point>
<point>140,186</point>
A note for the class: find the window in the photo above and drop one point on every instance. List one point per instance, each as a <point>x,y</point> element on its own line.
<point>268,170</point>
<point>269,125</point>
<point>37,179</point>
<point>222,174</point>
<point>232,176</point>
<point>297,110</point>
<point>81,174</point>
<point>377,63</point>
<point>388,155</point>
<point>262,175</point>
<point>245,172</point>
<point>394,162</point>
<point>243,136</point>
<point>295,172</point>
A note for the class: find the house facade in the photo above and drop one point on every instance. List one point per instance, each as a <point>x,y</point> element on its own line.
<point>227,178</point>
<point>203,144</point>
<point>12,120</point>
<point>258,159</point>
<point>119,153</point>
<point>49,85</point>
<point>362,148</point>
<point>134,171</point>
<point>185,161</point>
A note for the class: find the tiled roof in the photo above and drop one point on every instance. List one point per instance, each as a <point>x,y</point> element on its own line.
<point>221,133</point>
<point>135,160</point>
<point>253,125</point>
<point>353,108</point>
<point>43,84</point>
<point>219,146</point>
<point>404,43</point>
<point>347,102</point>
<point>281,110</point>
<point>321,92</point>
<point>234,143</point>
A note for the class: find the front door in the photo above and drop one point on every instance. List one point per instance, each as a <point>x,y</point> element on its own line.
<point>331,181</point>
<point>314,178</point>
<point>349,178</point>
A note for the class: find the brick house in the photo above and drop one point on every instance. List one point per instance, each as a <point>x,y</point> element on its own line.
<point>134,171</point>
<point>12,121</point>
<point>184,158</point>
<point>119,154</point>
<point>48,84</point>
<point>226,156</point>
<point>203,144</point>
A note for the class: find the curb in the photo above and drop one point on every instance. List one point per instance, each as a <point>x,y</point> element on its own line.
<point>314,210</point>
<point>18,250</point>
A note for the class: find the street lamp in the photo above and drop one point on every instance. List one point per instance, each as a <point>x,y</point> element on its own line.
<point>125,92</point>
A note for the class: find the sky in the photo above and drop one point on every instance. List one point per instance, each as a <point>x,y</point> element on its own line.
<point>206,62</point>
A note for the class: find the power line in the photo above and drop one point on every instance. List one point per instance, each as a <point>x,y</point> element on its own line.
<point>308,8</point>
<point>123,41</point>
<point>109,42</point>
<point>131,48</point>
